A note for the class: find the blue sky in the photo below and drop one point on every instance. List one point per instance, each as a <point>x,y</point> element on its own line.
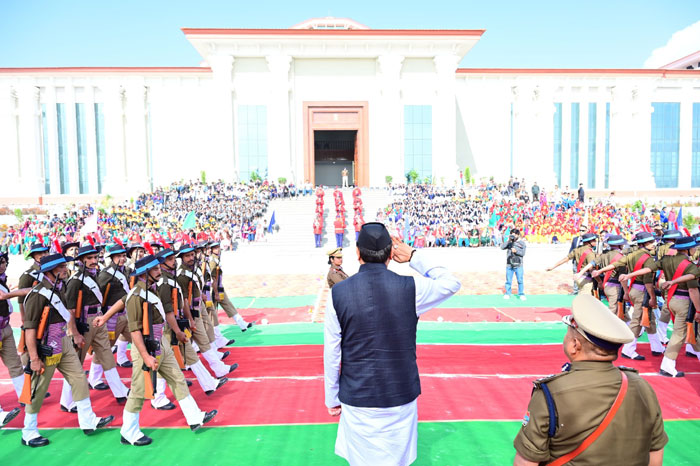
<point>519,34</point>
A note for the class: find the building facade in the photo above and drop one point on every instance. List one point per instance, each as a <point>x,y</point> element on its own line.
<point>306,102</point>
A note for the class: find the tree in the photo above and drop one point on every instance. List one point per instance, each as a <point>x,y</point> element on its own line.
<point>281,180</point>
<point>254,176</point>
<point>412,176</point>
<point>468,176</point>
<point>388,179</point>
<point>203,176</point>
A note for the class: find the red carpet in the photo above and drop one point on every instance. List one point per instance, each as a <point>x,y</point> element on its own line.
<point>492,314</point>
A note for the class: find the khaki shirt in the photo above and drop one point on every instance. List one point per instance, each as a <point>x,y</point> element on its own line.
<point>335,275</point>
<point>74,286</point>
<point>630,260</point>
<point>184,282</point>
<point>116,289</point>
<point>165,293</point>
<point>583,396</point>
<point>28,280</point>
<point>606,258</point>
<point>669,264</point>
<point>663,249</point>
<point>576,254</point>
<point>34,305</point>
<point>134,308</point>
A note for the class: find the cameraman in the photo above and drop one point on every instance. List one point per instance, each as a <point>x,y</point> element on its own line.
<point>514,263</point>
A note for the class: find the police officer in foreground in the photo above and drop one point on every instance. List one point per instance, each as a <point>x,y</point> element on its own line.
<point>336,274</point>
<point>594,412</point>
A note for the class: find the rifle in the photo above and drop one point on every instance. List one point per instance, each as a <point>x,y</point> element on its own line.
<point>42,350</point>
<point>596,287</point>
<point>152,346</point>
<point>692,329</point>
<point>82,327</point>
<point>621,303</point>
<point>645,309</point>
<point>173,338</point>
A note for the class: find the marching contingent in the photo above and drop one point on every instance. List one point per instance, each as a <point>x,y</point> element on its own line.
<point>77,300</point>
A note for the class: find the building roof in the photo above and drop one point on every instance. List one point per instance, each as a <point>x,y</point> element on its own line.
<point>663,73</point>
<point>692,60</point>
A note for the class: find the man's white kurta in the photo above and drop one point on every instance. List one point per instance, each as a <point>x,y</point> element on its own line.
<point>381,436</point>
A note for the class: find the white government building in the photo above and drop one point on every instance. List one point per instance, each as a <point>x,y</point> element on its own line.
<point>302,103</point>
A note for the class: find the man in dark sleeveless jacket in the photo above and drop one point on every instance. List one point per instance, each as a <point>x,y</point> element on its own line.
<point>370,328</point>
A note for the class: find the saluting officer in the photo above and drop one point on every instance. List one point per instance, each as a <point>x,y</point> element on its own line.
<point>219,295</point>
<point>583,256</point>
<point>594,412</point>
<point>83,285</point>
<point>335,273</point>
<point>192,290</point>
<point>50,293</point>
<point>147,274</point>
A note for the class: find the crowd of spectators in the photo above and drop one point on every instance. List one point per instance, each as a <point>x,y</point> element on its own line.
<point>226,212</point>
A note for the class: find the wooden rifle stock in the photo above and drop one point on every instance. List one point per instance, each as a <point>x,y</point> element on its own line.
<point>21,346</point>
<point>691,326</point>
<point>26,396</point>
<point>645,311</point>
<point>147,372</point>
<point>104,298</point>
<point>79,304</point>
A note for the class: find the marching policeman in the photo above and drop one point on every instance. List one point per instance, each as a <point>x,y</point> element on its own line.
<point>582,256</point>
<point>47,316</point>
<point>150,352</point>
<point>219,295</point>
<point>609,283</point>
<point>594,412</point>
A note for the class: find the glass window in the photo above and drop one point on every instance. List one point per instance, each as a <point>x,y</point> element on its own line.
<point>592,114</point>
<point>607,145</point>
<point>418,140</point>
<point>573,172</point>
<point>252,141</point>
<point>63,168</point>
<point>665,135</point>
<point>695,166</point>
<point>100,143</point>
<point>45,147</point>
<point>83,176</point>
<point>557,142</point>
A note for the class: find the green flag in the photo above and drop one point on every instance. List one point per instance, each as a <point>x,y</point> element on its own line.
<point>189,222</point>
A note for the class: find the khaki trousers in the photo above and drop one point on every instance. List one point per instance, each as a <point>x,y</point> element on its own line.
<point>611,293</point>
<point>208,327</point>
<point>637,297</point>
<point>98,338</point>
<point>167,368</point>
<point>200,335</point>
<point>8,353</point>
<point>72,370</point>
<point>228,306</point>
<point>189,356</point>
<point>585,285</point>
<point>679,308</point>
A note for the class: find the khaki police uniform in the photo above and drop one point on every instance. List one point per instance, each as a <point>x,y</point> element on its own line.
<point>583,396</point>
<point>637,289</point>
<point>585,284</point>
<point>185,277</point>
<point>566,408</point>
<point>67,362</point>
<point>680,302</point>
<point>97,337</point>
<point>335,275</point>
<point>218,292</point>
<point>165,290</point>
<point>8,348</point>
<point>612,287</point>
<point>167,365</point>
<point>661,251</point>
<point>108,276</point>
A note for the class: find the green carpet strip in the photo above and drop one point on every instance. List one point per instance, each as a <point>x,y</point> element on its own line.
<point>471,333</point>
<point>439,443</point>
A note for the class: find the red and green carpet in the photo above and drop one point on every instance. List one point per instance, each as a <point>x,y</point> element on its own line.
<point>477,357</point>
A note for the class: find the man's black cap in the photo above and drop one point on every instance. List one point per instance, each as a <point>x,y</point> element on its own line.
<point>374,236</point>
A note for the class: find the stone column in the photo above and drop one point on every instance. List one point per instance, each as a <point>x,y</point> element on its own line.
<point>8,144</point>
<point>279,153</point>
<point>138,167</point>
<point>223,159</point>
<point>685,150</point>
<point>115,146</point>
<point>90,140</point>
<point>390,126</point>
<point>583,143</point>
<point>30,183</point>
<point>640,137</point>
<point>601,100</point>
<point>445,120</point>
<point>566,140</point>
<point>71,139</point>
<point>541,164</point>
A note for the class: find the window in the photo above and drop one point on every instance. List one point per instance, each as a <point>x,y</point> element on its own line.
<point>607,145</point>
<point>252,141</point>
<point>557,142</point>
<point>573,172</point>
<point>45,147</point>
<point>665,130</point>
<point>63,168</point>
<point>592,114</point>
<point>100,143</point>
<point>695,167</point>
<point>83,176</point>
<point>418,140</point>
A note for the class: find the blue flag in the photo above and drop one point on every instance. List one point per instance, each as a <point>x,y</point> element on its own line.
<point>272,222</point>
<point>679,220</point>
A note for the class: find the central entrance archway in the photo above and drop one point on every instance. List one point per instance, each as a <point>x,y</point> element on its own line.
<point>336,137</point>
